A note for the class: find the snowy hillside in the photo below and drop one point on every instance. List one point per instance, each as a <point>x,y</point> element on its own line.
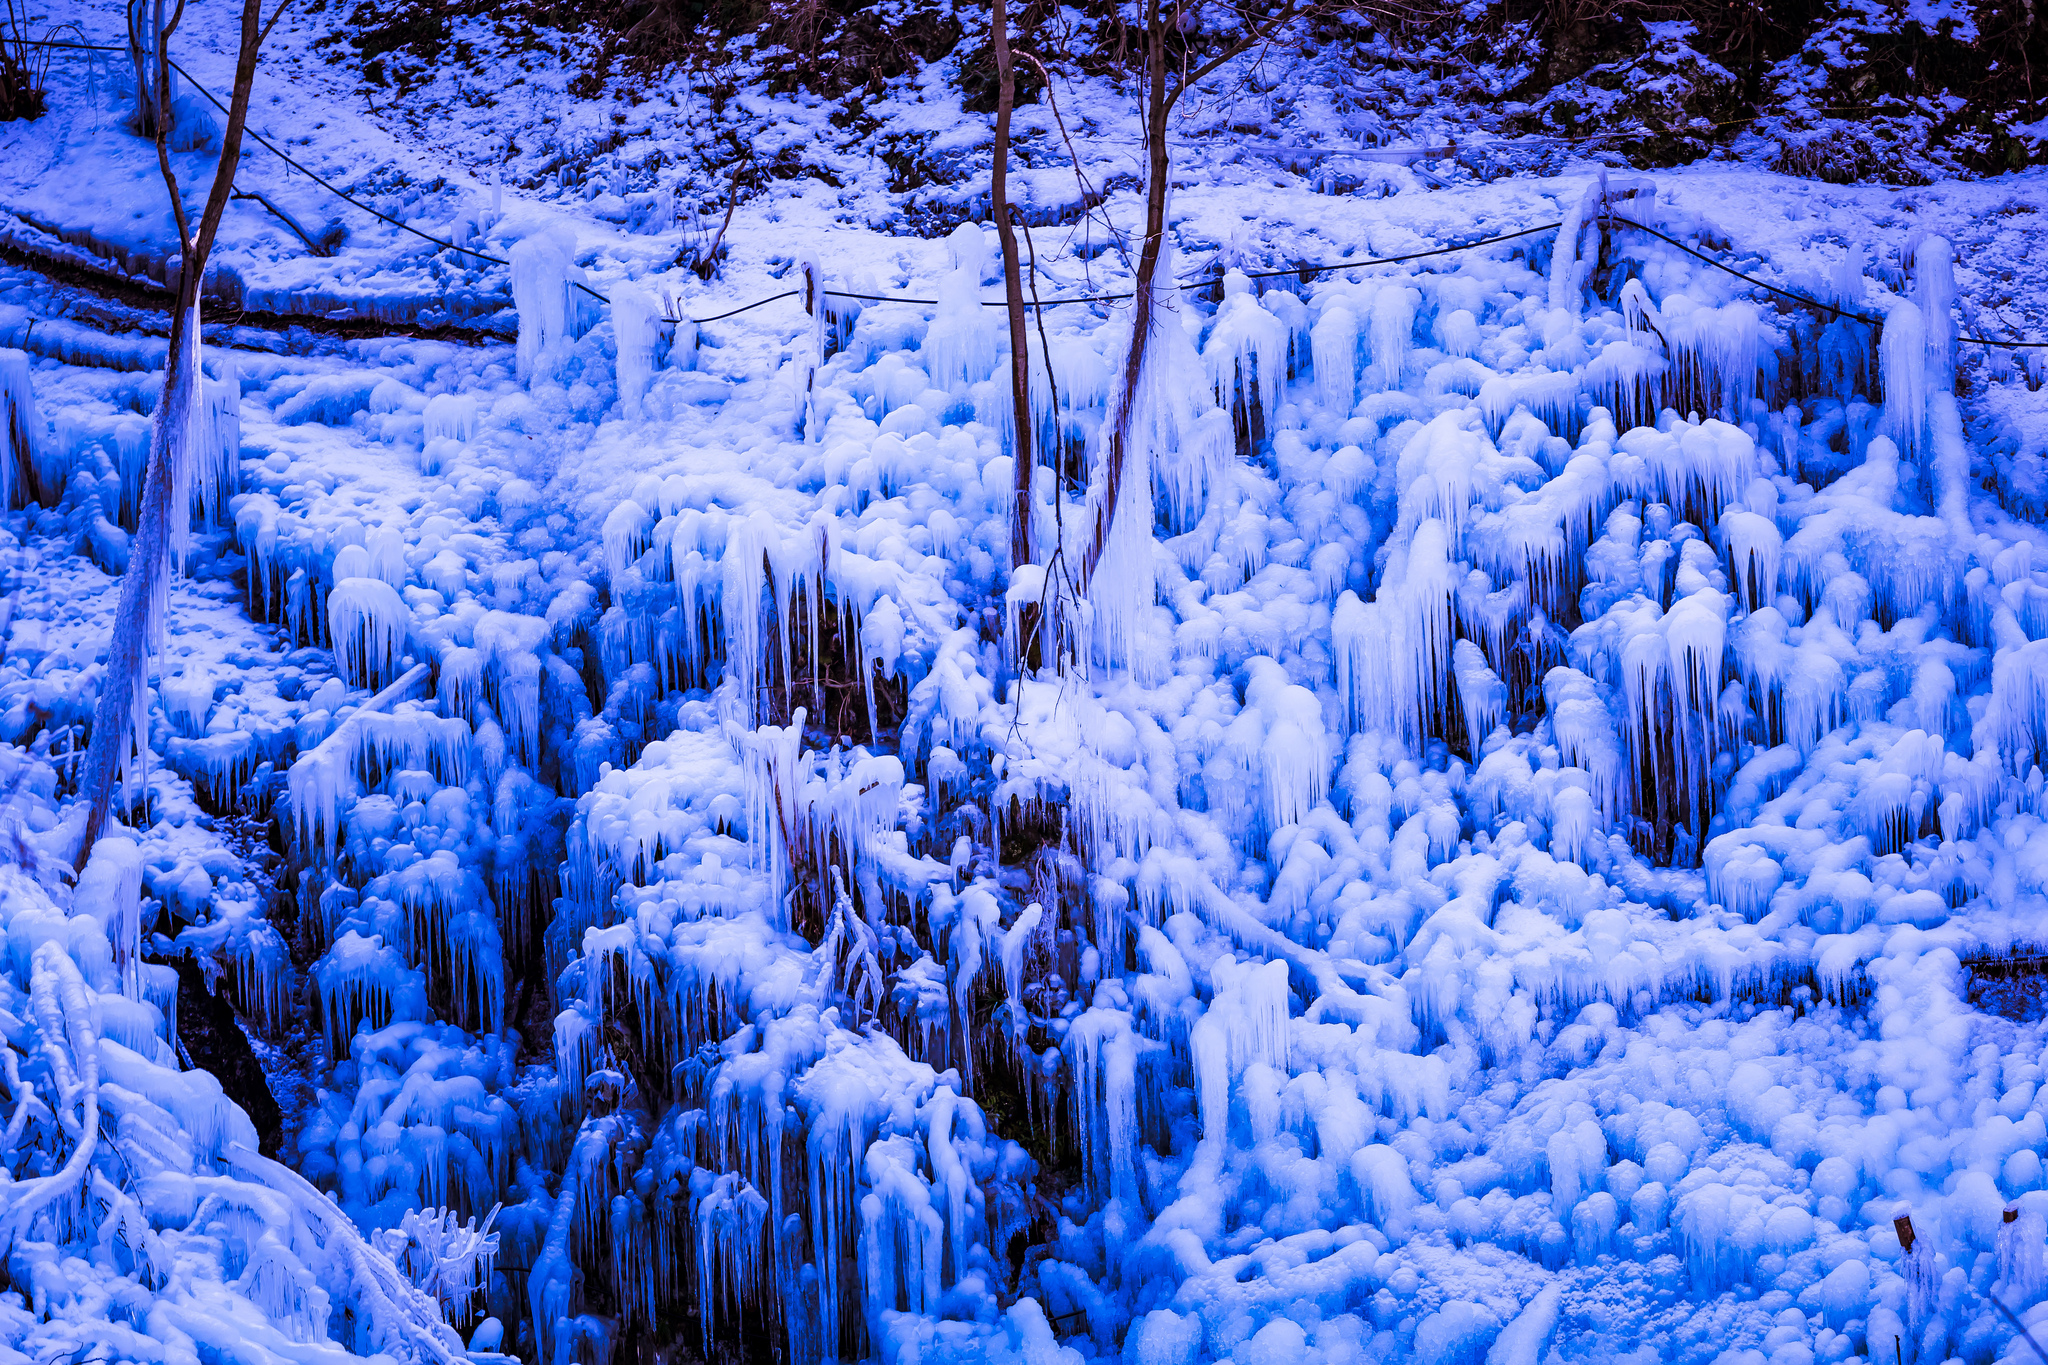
<point>1527,845</point>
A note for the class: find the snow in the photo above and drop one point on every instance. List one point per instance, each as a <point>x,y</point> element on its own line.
<point>1497,866</point>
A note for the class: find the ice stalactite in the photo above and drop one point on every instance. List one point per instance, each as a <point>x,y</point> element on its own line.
<point>369,622</point>
<point>1904,366</point>
<point>811,346</point>
<point>1934,292</point>
<point>1295,750</point>
<point>216,442</point>
<point>1246,353</point>
<point>1393,331</point>
<point>110,888</point>
<point>1394,653</point>
<point>1334,342</point>
<point>447,425</point>
<point>1755,549</point>
<point>961,347</point>
<point>1569,270</point>
<point>2022,1251</point>
<point>1176,449</point>
<point>628,534</point>
<point>24,431</point>
<point>635,330</point>
<point>541,293</point>
<point>1715,356</point>
<point>1102,1052</point>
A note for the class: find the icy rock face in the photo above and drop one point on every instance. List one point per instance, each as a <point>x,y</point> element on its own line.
<point>1484,873</point>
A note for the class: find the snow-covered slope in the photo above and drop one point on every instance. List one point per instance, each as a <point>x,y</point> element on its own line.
<point>1504,859</point>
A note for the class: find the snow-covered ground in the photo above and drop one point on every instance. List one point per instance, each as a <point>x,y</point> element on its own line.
<point>1514,855</point>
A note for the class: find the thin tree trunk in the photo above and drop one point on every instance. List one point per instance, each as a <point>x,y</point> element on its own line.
<point>1159,103</point>
<point>143,587</point>
<point>1157,169</point>
<point>1021,551</point>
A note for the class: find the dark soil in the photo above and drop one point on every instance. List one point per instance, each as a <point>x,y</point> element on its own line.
<point>211,1034</point>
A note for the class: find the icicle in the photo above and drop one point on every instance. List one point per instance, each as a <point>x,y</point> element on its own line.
<point>961,347</point>
<point>110,889</point>
<point>185,455</point>
<point>1905,376</point>
<point>1175,445</point>
<point>635,330</point>
<point>1394,654</point>
<point>1457,332</point>
<point>1102,1054</point>
<point>450,417</point>
<point>1246,353</point>
<point>23,429</point>
<point>369,622</point>
<point>808,352</point>
<point>1295,754</point>
<point>1934,290</point>
<point>1568,273</point>
<point>628,534</point>
<point>1393,331</point>
<point>1482,696</point>
<point>2020,1251</point>
<point>1335,344</point>
<point>1754,549</point>
<point>540,273</point>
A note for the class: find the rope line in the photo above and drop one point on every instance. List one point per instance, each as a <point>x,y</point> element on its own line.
<point>1803,299</point>
<point>743,308</point>
<point>1303,271</point>
<point>1396,260</point>
<point>1312,268</point>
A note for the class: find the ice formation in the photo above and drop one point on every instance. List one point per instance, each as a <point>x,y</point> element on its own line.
<point>1490,869</point>
<point>141,1220</point>
<point>542,293</point>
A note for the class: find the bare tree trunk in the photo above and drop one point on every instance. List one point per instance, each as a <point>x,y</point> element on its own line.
<point>1160,98</point>
<point>143,587</point>
<point>1158,167</point>
<point>1013,288</point>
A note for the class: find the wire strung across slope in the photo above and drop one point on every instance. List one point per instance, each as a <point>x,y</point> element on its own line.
<point>1803,299</point>
<point>1304,271</point>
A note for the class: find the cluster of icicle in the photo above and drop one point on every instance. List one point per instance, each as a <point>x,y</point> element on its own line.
<point>140,1220</point>
<point>1464,602</point>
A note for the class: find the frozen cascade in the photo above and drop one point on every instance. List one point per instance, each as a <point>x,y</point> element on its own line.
<point>1535,757</point>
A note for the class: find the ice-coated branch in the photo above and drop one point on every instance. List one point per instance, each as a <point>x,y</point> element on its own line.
<point>404,1319</point>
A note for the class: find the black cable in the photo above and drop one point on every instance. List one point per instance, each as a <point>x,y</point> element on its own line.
<point>1302,270</point>
<point>1803,299</point>
<point>344,195</point>
<point>743,308</point>
<point>1390,260</point>
<point>1310,269</point>
<point>1761,284</point>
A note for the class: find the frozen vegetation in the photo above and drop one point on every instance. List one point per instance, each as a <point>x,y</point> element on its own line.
<point>1499,865</point>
